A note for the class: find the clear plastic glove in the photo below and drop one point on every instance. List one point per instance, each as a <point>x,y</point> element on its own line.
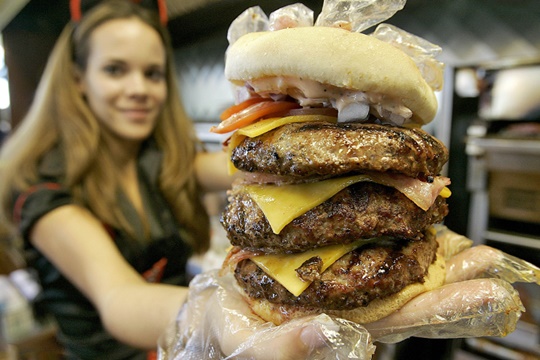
<point>450,242</point>
<point>478,300</point>
<point>486,262</point>
<point>357,15</point>
<point>464,262</point>
<point>216,323</point>
<point>296,15</point>
<point>252,19</point>
<point>421,51</point>
<point>480,307</point>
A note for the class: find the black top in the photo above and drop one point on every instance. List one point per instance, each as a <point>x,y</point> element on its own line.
<point>162,259</point>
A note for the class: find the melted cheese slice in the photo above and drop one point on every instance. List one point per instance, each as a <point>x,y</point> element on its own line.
<point>282,267</point>
<point>281,204</point>
<point>262,126</point>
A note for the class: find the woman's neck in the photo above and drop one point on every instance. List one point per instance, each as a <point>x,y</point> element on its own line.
<point>124,155</point>
<point>123,152</point>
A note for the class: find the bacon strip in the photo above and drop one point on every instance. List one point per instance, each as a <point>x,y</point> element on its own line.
<point>234,256</point>
<point>422,193</point>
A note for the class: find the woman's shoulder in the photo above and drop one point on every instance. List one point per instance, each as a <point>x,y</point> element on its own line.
<point>52,166</point>
<point>44,194</point>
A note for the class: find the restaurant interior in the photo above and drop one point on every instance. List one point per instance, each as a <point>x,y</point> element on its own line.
<point>488,117</point>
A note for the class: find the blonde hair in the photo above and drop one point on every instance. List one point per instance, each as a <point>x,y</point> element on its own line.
<point>60,117</point>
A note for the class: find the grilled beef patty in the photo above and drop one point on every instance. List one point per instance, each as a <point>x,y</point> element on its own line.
<point>363,210</point>
<point>312,150</point>
<point>372,271</point>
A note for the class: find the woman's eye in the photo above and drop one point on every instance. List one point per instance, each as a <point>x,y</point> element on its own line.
<point>155,74</point>
<point>113,69</point>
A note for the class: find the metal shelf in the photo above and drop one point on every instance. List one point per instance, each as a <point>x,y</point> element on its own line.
<point>513,239</point>
<point>500,144</point>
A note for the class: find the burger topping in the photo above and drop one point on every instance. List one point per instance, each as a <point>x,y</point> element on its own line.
<point>310,93</point>
<point>361,211</point>
<point>282,204</point>
<point>283,267</point>
<point>254,111</point>
<point>366,272</point>
<point>274,97</point>
<point>263,126</point>
<point>239,107</point>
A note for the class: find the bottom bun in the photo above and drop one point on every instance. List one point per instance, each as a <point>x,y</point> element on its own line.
<point>375,310</point>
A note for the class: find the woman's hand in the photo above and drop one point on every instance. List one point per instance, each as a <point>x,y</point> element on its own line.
<point>213,172</point>
<point>216,323</point>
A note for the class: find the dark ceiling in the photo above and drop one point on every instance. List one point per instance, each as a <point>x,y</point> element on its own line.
<point>469,31</point>
<point>449,23</point>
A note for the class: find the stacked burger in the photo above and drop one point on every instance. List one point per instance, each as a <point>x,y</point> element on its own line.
<point>340,184</point>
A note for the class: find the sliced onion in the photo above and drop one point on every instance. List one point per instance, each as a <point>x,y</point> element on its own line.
<point>353,112</point>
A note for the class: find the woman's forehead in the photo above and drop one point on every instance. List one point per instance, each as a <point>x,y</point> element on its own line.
<point>127,38</point>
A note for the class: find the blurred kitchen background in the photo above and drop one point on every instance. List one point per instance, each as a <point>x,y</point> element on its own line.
<point>489,118</point>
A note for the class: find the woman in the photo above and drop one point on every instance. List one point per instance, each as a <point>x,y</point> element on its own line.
<point>107,153</point>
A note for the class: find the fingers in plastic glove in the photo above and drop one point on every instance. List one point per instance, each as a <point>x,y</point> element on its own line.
<point>241,337</point>
<point>246,336</point>
<point>480,307</point>
<point>450,243</point>
<point>217,323</point>
<point>313,337</point>
<point>486,262</point>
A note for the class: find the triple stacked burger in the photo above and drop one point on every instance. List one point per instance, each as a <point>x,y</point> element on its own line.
<point>341,186</point>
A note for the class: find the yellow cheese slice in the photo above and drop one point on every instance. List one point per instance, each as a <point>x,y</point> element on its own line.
<point>281,204</point>
<point>262,126</point>
<point>284,203</point>
<point>282,267</point>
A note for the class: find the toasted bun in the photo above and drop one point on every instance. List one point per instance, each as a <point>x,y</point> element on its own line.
<point>374,311</point>
<point>335,57</point>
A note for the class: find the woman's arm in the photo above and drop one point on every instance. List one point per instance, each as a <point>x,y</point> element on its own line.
<point>212,171</point>
<point>138,313</point>
<point>132,310</point>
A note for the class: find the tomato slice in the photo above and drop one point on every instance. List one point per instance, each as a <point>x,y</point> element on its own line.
<point>251,114</point>
<point>227,113</point>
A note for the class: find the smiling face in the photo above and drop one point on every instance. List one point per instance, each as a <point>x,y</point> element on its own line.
<point>124,81</point>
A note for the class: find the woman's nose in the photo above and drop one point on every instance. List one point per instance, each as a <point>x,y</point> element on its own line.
<point>136,84</point>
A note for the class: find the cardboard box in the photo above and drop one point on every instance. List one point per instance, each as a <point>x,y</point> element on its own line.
<point>515,195</point>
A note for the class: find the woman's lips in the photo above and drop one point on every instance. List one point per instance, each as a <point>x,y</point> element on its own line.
<point>136,114</point>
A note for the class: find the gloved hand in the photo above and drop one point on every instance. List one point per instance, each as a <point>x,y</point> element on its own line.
<point>477,300</point>
<point>216,323</point>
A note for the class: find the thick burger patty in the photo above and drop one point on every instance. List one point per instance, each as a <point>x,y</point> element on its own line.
<point>372,271</point>
<point>320,149</point>
<point>363,210</point>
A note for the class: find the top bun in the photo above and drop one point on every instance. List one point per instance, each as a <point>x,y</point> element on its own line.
<point>335,57</point>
